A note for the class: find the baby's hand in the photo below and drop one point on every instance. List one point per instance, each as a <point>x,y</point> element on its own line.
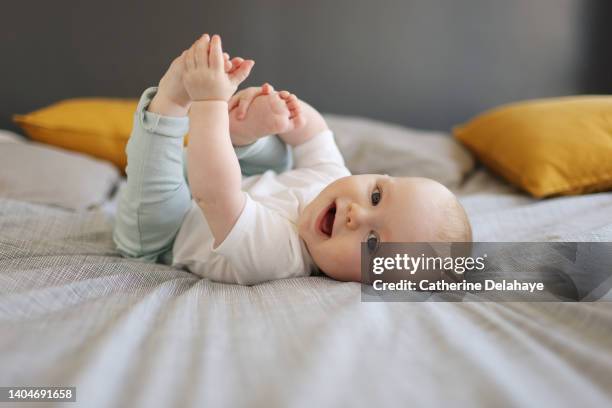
<point>205,77</point>
<point>171,85</point>
<point>172,99</point>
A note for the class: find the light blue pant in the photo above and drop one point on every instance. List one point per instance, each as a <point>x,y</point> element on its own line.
<point>152,206</point>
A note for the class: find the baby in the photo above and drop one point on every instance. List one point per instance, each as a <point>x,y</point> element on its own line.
<point>271,224</point>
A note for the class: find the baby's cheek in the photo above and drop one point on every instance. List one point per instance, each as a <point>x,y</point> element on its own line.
<point>339,259</point>
<point>353,267</point>
<point>348,260</point>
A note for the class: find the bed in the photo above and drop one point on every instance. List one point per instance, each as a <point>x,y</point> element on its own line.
<point>129,333</point>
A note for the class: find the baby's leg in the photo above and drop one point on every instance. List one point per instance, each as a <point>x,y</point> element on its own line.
<point>267,153</point>
<point>154,202</point>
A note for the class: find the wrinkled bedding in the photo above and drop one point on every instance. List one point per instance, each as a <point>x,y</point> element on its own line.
<point>129,333</point>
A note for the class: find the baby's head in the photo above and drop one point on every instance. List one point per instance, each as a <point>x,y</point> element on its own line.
<point>373,208</point>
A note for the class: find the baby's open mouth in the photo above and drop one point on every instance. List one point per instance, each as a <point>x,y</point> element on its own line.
<point>326,222</point>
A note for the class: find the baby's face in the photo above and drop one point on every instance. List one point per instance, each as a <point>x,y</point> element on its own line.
<point>368,208</point>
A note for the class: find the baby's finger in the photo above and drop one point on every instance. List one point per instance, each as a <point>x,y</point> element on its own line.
<point>267,89</point>
<point>182,60</point>
<point>243,107</point>
<point>227,64</point>
<point>233,102</point>
<point>242,72</point>
<point>246,98</point>
<point>236,63</point>
<point>190,58</point>
<point>247,93</point>
<point>201,49</point>
<point>216,53</point>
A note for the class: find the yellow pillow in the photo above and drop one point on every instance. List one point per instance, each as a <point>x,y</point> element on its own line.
<point>558,146</point>
<point>99,127</point>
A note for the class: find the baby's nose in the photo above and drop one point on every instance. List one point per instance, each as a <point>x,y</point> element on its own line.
<point>354,216</point>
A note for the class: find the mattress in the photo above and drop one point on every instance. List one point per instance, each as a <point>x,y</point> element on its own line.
<point>130,333</point>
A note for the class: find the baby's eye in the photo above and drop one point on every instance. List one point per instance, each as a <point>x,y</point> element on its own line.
<point>372,241</point>
<point>375,197</point>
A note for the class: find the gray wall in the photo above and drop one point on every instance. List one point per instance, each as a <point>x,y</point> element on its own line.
<point>422,63</point>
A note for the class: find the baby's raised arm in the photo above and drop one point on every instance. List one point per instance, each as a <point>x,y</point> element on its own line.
<point>213,169</point>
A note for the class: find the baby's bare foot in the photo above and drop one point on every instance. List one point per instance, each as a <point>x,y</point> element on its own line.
<point>272,114</point>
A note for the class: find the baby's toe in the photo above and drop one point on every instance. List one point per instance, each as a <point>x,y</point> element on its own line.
<point>292,101</point>
<point>295,109</point>
<point>293,105</point>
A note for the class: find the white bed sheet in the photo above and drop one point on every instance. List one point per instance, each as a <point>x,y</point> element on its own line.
<point>137,335</point>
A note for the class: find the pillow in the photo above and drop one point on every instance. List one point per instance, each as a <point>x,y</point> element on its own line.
<point>99,127</point>
<point>370,146</point>
<point>558,146</point>
<point>41,174</point>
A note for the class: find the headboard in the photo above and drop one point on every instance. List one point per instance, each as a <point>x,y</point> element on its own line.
<point>421,63</point>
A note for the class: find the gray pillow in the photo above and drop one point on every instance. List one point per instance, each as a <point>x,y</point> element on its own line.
<point>371,146</point>
<point>48,175</point>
